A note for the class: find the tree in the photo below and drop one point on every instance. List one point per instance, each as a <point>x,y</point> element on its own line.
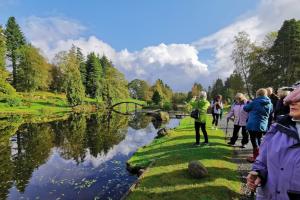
<point>233,84</point>
<point>156,98</point>
<point>217,88</point>
<point>115,84</point>
<point>82,68</point>
<point>94,76</point>
<point>240,54</point>
<point>69,66</point>
<point>163,89</point>
<point>139,89</point>
<point>286,54</point>
<point>33,70</point>
<point>179,98</point>
<point>14,40</point>
<point>2,49</point>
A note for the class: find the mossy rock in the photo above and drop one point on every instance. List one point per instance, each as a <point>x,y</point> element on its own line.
<point>197,169</point>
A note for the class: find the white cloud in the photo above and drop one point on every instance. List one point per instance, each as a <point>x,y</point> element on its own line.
<point>268,17</point>
<point>177,64</point>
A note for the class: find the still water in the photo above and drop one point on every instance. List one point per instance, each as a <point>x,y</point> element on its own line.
<point>81,157</point>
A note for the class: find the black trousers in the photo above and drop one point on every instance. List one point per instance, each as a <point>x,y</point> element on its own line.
<point>199,125</point>
<point>255,137</point>
<point>215,119</point>
<point>235,135</point>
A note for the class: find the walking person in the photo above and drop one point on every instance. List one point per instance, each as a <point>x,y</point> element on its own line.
<point>240,119</point>
<point>202,105</point>
<point>274,100</point>
<point>276,171</point>
<point>217,107</point>
<point>281,108</point>
<point>259,111</point>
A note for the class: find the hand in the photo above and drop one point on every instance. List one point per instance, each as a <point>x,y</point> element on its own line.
<point>253,182</point>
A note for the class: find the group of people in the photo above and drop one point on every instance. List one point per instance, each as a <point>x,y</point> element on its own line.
<point>273,124</point>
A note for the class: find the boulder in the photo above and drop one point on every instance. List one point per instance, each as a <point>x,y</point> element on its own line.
<point>162,132</point>
<point>164,116</point>
<point>197,169</point>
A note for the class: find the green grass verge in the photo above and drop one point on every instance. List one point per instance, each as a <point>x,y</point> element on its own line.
<point>168,177</point>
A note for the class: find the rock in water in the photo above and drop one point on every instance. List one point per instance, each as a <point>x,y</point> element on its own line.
<point>197,169</point>
<point>162,132</point>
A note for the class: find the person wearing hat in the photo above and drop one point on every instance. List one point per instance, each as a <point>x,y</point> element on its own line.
<point>276,171</point>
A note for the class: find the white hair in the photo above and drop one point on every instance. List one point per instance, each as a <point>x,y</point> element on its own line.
<point>203,95</point>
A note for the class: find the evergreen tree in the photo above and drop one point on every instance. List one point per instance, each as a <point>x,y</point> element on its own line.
<point>75,89</point>
<point>2,49</point>
<point>286,54</point>
<point>33,70</point>
<point>14,40</point>
<point>94,74</point>
<point>115,84</point>
<point>218,88</point>
<point>82,67</point>
<point>156,98</point>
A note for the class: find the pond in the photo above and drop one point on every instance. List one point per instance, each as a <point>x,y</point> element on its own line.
<point>82,157</point>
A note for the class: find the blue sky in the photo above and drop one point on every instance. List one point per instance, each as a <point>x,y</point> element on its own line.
<point>134,24</point>
<point>189,40</point>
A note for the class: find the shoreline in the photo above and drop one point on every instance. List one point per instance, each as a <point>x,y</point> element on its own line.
<point>168,175</point>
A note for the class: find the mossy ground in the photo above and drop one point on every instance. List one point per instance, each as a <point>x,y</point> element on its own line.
<point>168,177</point>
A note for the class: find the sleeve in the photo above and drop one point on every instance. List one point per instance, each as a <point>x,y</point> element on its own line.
<point>231,113</point>
<point>261,165</point>
<point>248,107</point>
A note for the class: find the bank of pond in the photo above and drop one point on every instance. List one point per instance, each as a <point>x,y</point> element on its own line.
<point>73,156</point>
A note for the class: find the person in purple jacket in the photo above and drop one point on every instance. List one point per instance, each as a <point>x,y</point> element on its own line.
<point>240,119</point>
<point>276,172</point>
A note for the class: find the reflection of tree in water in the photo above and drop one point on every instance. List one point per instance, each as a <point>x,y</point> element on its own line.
<point>72,138</point>
<point>31,144</point>
<point>104,131</point>
<point>34,142</point>
<point>6,169</point>
<point>139,121</point>
<point>8,127</point>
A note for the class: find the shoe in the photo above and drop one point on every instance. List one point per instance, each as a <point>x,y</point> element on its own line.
<point>206,143</point>
<point>230,143</point>
<point>243,146</point>
<point>197,144</point>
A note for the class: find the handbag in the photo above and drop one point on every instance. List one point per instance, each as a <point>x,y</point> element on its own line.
<point>195,113</point>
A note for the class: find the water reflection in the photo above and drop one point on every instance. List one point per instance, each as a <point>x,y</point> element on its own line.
<point>82,157</point>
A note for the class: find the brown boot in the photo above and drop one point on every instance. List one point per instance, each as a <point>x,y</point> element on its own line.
<point>252,159</point>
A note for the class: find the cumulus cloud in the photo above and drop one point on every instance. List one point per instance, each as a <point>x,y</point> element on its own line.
<point>268,17</point>
<point>177,64</point>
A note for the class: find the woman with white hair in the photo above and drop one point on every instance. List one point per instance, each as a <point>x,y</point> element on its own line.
<point>202,105</point>
<point>281,108</point>
<point>240,119</point>
<point>276,171</point>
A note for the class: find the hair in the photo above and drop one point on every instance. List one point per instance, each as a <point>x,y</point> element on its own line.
<point>269,91</point>
<point>218,97</point>
<point>282,92</point>
<point>203,95</point>
<point>240,96</point>
<point>261,92</point>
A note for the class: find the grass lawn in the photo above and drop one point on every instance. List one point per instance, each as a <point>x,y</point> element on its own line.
<point>168,177</point>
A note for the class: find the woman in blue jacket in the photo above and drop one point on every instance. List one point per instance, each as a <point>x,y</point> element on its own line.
<point>259,111</point>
